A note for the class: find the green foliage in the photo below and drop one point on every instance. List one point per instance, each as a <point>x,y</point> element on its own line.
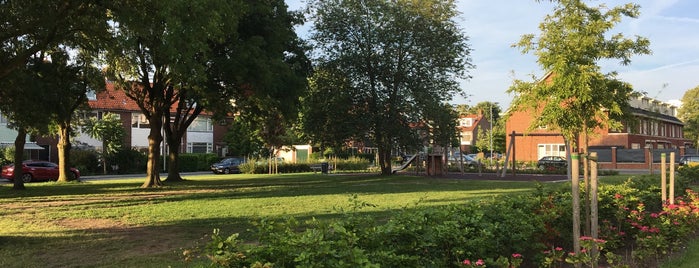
<point>394,75</point>
<point>87,161</point>
<point>129,161</point>
<point>196,162</point>
<point>689,173</point>
<point>689,114</point>
<point>578,96</point>
<point>496,231</point>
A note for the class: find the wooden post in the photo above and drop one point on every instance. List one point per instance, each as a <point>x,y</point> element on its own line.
<point>672,178</point>
<point>575,190</point>
<point>594,217</point>
<point>663,179</point>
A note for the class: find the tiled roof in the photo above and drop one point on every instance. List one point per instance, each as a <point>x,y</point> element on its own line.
<point>113,99</point>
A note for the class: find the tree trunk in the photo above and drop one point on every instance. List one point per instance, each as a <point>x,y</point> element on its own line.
<point>19,155</point>
<point>155,137</point>
<point>64,174</point>
<point>385,159</point>
<point>173,159</point>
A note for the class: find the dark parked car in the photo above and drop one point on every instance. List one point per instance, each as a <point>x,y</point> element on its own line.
<point>227,165</point>
<point>37,170</point>
<point>551,162</point>
<point>689,160</point>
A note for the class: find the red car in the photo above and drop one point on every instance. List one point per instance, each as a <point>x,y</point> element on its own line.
<point>37,170</point>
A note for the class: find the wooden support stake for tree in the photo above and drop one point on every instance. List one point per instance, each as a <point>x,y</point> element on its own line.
<point>594,217</point>
<point>575,191</point>
<point>663,178</point>
<point>672,178</point>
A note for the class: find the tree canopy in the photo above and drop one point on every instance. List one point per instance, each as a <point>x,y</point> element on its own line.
<point>577,96</point>
<point>205,54</point>
<point>689,114</point>
<point>385,52</point>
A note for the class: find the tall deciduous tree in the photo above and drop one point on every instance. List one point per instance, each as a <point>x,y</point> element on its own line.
<point>27,27</point>
<point>176,58</point>
<point>388,54</point>
<point>578,97</point>
<point>689,113</point>
<point>67,81</point>
<point>19,91</point>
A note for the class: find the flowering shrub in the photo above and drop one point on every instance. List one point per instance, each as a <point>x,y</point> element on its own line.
<point>477,234</point>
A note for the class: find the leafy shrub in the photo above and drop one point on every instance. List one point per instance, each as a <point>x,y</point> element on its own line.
<point>196,162</point>
<point>494,232</point>
<point>690,173</point>
<point>87,161</point>
<point>129,161</point>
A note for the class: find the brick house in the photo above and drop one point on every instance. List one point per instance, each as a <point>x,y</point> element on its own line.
<point>203,135</point>
<point>656,127</point>
<point>469,127</point>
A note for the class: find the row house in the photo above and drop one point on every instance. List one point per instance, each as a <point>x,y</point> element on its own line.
<point>203,135</point>
<point>655,126</point>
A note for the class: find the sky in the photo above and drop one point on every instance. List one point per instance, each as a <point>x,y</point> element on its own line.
<point>672,26</point>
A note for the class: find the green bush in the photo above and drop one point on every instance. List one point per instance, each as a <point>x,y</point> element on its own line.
<point>689,173</point>
<point>631,217</point>
<point>129,161</point>
<point>87,161</point>
<point>196,162</point>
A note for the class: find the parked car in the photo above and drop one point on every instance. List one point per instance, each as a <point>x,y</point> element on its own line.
<point>689,160</point>
<point>551,162</point>
<point>468,161</point>
<point>37,170</point>
<point>227,165</point>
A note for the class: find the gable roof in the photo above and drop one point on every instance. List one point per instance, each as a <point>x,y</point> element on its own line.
<point>114,100</point>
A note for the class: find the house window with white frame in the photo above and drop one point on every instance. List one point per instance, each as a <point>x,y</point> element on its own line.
<point>551,150</point>
<point>200,147</point>
<point>466,122</point>
<point>139,120</point>
<point>201,125</point>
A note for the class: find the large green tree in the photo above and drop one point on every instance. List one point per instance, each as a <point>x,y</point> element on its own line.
<point>387,53</point>
<point>27,27</point>
<point>578,97</point>
<point>689,113</point>
<point>176,58</point>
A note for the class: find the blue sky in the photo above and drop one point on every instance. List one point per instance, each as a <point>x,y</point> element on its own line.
<point>672,26</point>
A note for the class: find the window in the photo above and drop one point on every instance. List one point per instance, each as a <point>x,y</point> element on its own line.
<point>199,147</point>
<point>3,120</point>
<point>635,146</point>
<point>466,138</point>
<point>551,150</point>
<point>466,122</point>
<point>91,94</point>
<point>139,120</point>
<point>201,125</point>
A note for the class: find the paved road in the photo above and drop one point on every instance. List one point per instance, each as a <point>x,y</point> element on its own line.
<point>118,176</point>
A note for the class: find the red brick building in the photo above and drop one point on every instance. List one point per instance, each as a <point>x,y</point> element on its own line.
<point>203,136</point>
<point>656,127</point>
<point>469,127</point>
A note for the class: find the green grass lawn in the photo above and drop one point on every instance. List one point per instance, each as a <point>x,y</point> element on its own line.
<point>116,224</point>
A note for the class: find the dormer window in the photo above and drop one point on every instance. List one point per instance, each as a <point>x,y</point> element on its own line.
<point>466,122</point>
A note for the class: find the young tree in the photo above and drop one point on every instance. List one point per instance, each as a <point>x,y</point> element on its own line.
<point>109,130</point>
<point>578,97</point>
<point>386,52</point>
<point>689,113</point>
